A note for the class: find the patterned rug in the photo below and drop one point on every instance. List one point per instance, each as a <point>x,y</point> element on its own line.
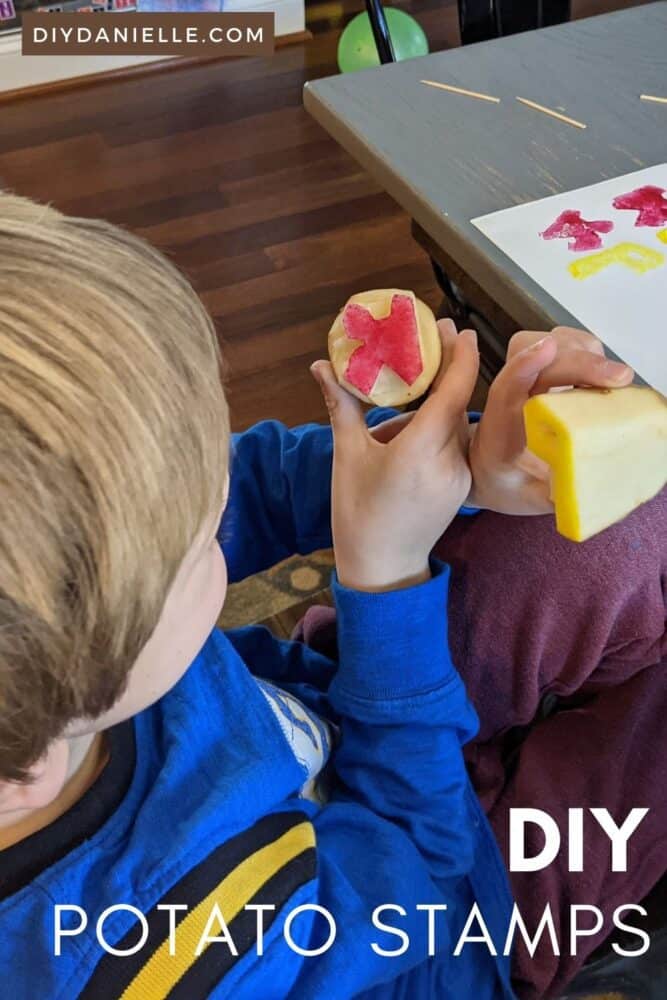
<point>280,596</point>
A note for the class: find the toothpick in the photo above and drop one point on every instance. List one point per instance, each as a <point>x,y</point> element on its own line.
<point>554,114</point>
<point>650,97</point>
<point>460,90</point>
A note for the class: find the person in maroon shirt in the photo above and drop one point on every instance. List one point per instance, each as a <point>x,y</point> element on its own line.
<point>563,650</point>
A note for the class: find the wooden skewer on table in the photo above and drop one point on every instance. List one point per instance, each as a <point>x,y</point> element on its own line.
<point>460,90</point>
<point>553,114</point>
<point>523,100</point>
<point>496,100</point>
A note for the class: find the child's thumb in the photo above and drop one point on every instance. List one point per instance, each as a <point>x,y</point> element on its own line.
<point>344,410</point>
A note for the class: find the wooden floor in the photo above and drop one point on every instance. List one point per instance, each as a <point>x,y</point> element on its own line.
<point>220,166</point>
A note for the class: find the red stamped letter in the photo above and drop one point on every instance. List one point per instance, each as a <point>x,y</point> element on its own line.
<point>583,233</point>
<point>649,201</point>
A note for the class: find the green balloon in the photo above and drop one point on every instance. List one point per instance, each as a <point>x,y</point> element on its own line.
<point>357,49</point>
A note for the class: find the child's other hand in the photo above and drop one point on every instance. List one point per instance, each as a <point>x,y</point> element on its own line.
<point>506,477</point>
<point>392,501</point>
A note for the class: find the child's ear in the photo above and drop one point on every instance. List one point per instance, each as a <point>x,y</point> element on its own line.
<point>45,780</point>
<point>16,798</point>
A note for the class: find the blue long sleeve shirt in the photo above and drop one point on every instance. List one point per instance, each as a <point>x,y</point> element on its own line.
<point>275,804</point>
<point>283,506</point>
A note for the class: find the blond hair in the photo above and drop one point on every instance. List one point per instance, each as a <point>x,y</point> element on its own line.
<point>113,454</point>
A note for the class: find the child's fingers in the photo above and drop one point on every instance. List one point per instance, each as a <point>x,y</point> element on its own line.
<point>536,369</point>
<point>347,422</point>
<point>439,417</point>
<point>448,335</point>
<point>509,391</point>
<point>567,337</point>
<point>582,368</point>
<point>570,336</point>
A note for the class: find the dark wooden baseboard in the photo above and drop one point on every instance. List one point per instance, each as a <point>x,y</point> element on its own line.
<point>131,72</point>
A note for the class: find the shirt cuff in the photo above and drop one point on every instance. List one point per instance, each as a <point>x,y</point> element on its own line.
<point>393,644</point>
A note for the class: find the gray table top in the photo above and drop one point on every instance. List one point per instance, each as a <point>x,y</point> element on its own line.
<point>447,159</point>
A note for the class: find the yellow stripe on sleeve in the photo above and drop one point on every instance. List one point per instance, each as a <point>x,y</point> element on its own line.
<point>162,971</point>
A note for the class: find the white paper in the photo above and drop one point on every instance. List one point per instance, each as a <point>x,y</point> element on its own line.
<point>627,310</point>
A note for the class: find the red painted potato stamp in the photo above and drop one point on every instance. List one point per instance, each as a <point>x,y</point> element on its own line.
<point>385,347</point>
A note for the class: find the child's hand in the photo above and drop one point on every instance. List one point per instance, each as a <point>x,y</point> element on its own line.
<point>506,477</point>
<point>392,501</point>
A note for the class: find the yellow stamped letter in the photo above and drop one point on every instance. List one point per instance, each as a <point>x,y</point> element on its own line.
<point>632,255</point>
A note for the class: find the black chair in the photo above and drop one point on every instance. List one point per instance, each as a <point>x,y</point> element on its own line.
<point>480,20</point>
<point>380,31</point>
